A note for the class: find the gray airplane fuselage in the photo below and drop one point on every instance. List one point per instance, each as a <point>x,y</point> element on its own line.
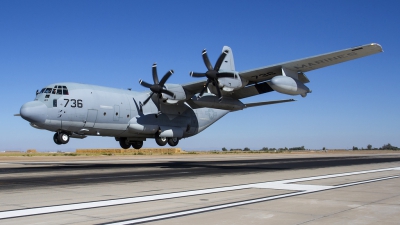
<point>83,110</point>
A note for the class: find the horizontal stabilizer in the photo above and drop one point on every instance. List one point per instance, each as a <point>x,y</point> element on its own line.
<point>248,105</point>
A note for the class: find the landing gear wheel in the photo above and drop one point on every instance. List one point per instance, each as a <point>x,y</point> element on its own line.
<point>63,138</point>
<point>137,144</point>
<point>161,141</point>
<point>55,139</point>
<point>173,142</point>
<point>123,142</point>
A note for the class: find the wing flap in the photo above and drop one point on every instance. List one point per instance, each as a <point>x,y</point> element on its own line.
<point>248,105</point>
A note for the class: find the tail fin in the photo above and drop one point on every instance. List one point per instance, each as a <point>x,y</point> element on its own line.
<point>228,65</point>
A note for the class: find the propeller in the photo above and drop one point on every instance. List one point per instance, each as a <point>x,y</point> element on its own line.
<point>158,86</point>
<point>212,73</point>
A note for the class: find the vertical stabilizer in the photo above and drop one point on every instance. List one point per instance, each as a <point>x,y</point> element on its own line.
<point>228,65</point>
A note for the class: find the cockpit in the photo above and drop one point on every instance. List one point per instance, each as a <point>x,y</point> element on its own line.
<point>57,90</point>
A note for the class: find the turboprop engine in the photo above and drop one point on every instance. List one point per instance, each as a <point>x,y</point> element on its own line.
<point>232,81</point>
<point>179,93</point>
<point>288,85</point>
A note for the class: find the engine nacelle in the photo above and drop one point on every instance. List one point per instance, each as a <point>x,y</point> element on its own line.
<point>289,86</point>
<point>232,83</point>
<point>179,92</point>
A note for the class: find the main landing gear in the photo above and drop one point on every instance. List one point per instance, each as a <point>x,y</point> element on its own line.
<point>162,141</point>
<point>125,144</point>
<point>173,142</point>
<point>61,138</point>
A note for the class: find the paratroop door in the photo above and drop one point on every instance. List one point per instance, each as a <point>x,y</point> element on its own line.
<point>91,118</point>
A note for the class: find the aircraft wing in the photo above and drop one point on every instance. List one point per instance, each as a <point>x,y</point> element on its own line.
<point>310,63</point>
<point>257,77</point>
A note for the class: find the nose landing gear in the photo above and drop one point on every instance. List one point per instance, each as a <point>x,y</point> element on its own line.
<point>61,138</point>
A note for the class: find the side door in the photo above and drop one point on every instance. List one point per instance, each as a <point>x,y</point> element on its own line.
<point>91,118</point>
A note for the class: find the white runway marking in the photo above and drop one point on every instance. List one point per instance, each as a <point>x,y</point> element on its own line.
<point>284,185</point>
<point>211,208</point>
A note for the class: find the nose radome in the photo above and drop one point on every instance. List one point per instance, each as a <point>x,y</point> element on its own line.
<point>34,112</point>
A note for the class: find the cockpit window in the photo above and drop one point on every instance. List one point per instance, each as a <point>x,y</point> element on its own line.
<point>47,90</point>
<point>57,90</point>
<point>65,90</point>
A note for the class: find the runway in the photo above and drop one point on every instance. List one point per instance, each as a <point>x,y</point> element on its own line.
<point>202,189</point>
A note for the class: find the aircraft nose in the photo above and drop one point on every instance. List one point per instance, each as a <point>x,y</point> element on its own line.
<point>34,112</point>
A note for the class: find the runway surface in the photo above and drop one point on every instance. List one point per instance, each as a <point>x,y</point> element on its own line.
<point>202,189</point>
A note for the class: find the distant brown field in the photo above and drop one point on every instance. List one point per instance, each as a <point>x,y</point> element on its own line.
<point>172,151</point>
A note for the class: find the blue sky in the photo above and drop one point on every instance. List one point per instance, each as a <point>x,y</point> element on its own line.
<point>114,43</point>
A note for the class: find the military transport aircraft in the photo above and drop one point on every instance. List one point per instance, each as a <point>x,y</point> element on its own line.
<point>170,112</point>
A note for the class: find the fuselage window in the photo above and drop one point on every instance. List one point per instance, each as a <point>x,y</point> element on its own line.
<point>54,102</point>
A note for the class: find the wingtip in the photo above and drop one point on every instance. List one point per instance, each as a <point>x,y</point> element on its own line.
<point>377,45</point>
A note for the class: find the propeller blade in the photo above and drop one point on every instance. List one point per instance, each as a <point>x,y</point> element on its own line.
<point>231,75</point>
<point>154,72</point>
<point>144,84</point>
<point>218,91</point>
<point>145,101</point>
<point>220,60</point>
<point>204,88</point>
<point>170,93</point>
<point>194,74</point>
<point>206,60</point>
<point>165,78</point>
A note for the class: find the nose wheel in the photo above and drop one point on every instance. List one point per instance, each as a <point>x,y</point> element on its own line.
<point>55,139</point>
<point>61,138</point>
